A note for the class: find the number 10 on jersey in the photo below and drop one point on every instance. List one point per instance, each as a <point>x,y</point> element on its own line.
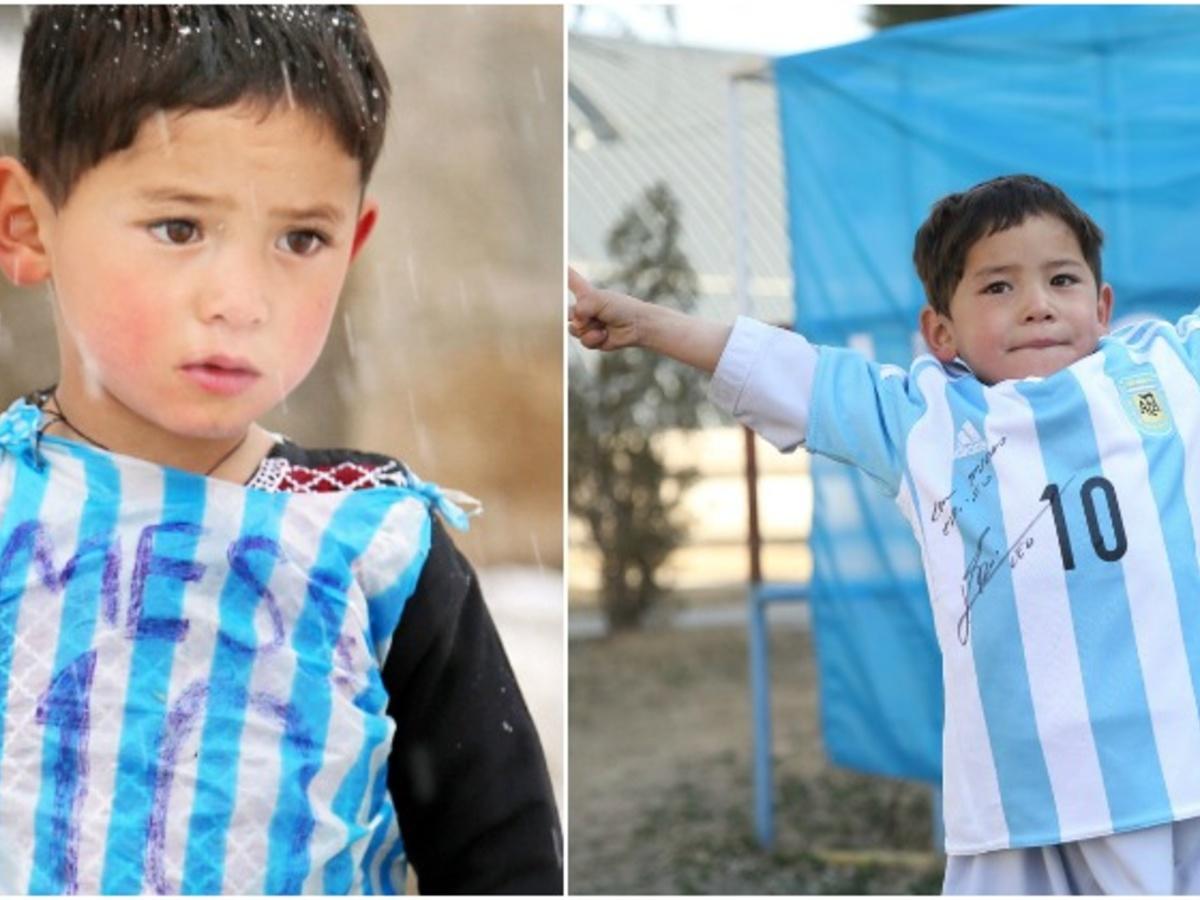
<point>1094,492</point>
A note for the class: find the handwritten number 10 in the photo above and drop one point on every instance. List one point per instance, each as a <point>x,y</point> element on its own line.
<point>1087,494</point>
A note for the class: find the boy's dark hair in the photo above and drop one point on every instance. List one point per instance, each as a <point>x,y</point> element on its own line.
<point>91,75</point>
<point>957,221</point>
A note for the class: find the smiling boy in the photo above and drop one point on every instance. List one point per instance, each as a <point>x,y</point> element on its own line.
<point>1043,465</point>
<point>227,663</point>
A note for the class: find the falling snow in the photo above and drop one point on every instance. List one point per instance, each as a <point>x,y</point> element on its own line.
<point>287,85</point>
<point>538,86</point>
<point>527,605</point>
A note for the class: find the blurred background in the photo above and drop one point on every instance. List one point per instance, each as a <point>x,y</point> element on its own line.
<point>447,349</point>
<point>755,695</point>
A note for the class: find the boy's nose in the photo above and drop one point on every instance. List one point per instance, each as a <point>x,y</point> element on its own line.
<point>238,298</point>
<point>1037,306</point>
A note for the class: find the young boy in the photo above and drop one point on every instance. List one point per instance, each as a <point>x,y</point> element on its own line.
<point>228,664</point>
<point>1046,471</point>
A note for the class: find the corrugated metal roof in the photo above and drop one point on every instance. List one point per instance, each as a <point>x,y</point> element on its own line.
<point>640,113</point>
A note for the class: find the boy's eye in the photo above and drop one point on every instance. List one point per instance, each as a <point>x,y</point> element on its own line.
<point>1064,279</point>
<point>175,231</point>
<point>997,287</point>
<point>302,242</point>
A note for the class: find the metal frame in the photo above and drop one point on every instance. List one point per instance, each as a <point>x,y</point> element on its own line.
<point>760,698</point>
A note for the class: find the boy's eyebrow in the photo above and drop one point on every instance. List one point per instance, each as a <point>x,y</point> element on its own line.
<point>994,270</point>
<point>1010,267</point>
<point>179,195</point>
<point>326,211</point>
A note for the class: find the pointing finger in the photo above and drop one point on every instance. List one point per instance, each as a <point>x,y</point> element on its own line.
<point>576,283</point>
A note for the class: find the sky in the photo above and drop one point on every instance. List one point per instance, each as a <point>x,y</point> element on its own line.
<point>767,28</point>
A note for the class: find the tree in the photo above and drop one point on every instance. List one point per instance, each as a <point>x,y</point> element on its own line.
<point>882,16</point>
<point>618,483</point>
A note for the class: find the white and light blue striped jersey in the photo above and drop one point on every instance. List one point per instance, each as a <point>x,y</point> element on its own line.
<point>190,690</point>
<point>1058,521</point>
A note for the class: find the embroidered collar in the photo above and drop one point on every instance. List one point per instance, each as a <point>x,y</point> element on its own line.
<point>20,434</point>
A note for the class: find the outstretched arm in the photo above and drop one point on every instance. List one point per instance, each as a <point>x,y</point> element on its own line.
<point>608,320</point>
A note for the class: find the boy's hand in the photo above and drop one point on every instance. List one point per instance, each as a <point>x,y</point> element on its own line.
<point>602,320</point>
<point>607,320</point>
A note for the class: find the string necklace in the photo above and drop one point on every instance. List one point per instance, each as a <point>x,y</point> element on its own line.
<point>60,416</point>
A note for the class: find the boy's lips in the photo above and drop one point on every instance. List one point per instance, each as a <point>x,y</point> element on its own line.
<point>1039,344</point>
<point>219,374</point>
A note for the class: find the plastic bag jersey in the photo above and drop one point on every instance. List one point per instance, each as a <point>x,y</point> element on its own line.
<point>190,688</point>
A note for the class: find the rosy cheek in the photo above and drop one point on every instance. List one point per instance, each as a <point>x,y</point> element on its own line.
<point>308,331</point>
<point>130,324</point>
<point>111,319</point>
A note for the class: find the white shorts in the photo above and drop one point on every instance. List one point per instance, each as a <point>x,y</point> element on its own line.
<point>1164,859</point>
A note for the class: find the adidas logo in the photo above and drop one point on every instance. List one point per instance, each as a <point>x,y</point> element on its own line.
<point>968,441</point>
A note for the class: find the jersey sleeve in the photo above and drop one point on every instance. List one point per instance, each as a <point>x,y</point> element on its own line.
<point>764,379</point>
<point>466,771</point>
<point>862,412</point>
<point>833,401</point>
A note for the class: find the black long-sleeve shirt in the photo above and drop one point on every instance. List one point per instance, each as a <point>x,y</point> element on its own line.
<point>466,771</point>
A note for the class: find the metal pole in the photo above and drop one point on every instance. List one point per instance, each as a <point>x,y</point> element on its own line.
<point>760,681</point>
<point>760,689</point>
<point>939,827</point>
<point>754,539</point>
<point>741,268</point>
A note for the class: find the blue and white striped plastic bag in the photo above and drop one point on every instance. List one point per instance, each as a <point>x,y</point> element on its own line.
<point>190,689</point>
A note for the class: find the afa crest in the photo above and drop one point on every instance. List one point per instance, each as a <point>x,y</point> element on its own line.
<point>1146,404</point>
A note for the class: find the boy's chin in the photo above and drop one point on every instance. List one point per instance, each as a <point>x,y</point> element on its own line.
<point>210,430</point>
<point>205,425</point>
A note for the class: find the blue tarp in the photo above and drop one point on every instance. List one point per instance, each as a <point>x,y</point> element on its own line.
<point>1104,101</point>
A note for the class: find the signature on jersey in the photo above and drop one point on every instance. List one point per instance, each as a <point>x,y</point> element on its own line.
<point>978,477</point>
<point>985,563</point>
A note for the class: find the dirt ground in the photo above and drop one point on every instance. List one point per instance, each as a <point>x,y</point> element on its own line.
<point>661,784</point>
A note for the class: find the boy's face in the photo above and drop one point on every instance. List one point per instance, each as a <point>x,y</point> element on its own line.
<point>1027,304</point>
<point>196,273</point>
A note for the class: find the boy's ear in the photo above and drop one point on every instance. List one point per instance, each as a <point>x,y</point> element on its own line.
<point>364,226</point>
<point>22,255</point>
<point>938,332</point>
<point>1104,305</point>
